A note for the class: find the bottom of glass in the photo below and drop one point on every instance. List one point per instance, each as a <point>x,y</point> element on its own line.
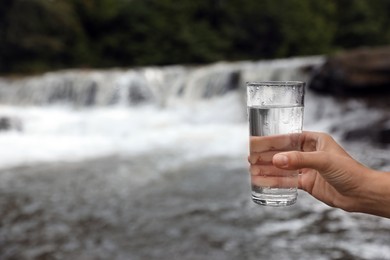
<point>275,197</point>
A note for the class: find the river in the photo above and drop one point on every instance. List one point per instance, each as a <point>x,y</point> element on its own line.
<point>150,163</point>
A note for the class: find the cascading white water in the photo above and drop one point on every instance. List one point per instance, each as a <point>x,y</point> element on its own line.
<point>77,114</point>
<point>151,84</point>
<point>71,115</point>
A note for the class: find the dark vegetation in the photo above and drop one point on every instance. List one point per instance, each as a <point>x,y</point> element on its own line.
<point>40,35</point>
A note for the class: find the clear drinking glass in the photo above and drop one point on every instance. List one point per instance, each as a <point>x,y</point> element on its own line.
<point>275,112</point>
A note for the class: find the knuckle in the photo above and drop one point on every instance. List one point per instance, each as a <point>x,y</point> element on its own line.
<point>297,159</point>
<point>326,161</point>
<point>254,170</point>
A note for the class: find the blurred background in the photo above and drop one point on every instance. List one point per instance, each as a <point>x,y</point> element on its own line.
<point>123,130</point>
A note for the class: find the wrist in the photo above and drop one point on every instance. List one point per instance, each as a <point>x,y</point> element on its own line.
<point>375,197</point>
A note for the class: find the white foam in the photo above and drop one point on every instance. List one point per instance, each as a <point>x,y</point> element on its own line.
<point>183,122</point>
<point>214,127</point>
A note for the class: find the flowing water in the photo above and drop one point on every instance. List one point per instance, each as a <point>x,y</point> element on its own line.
<point>150,163</point>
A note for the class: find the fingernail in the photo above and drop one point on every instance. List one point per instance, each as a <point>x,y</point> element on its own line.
<point>281,160</point>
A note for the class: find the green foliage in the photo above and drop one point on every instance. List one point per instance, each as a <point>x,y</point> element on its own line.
<point>269,29</point>
<point>38,35</point>
<point>362,22</point>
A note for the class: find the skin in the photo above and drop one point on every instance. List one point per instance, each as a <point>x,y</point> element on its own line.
<point>327,171</point>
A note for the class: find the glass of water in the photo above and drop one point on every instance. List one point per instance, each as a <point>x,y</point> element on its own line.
<point>275,112</point>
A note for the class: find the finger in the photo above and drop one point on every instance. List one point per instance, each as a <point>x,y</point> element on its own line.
<point>275,181</point>
<point>269,170</point>
<point>298,160</point>
<point>276,142</point>
<point>262,158</point>
<point>315,141</point>
<point>335,169</point>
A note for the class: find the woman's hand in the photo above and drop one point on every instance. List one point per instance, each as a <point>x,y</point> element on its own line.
<point>331,175</point>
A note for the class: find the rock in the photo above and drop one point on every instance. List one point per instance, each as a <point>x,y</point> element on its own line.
<point>384,136</point>
<point>10,123</point>
<point>360,71</point>
<point>377,133</point>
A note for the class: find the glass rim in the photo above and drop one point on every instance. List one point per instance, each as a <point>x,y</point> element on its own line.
<point>279,83</point>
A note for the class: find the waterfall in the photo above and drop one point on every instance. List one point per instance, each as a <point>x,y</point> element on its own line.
<point>185,111</point>
<point>158,85</point>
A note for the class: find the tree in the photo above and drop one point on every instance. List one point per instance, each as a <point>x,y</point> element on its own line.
<point>39,35</point>
<point>361,23</point>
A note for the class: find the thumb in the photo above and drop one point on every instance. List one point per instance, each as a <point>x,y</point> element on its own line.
<point>341,172</point>
<point>320,161</point>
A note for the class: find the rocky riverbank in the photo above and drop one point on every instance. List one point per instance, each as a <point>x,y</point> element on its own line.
<point>100,209</point>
